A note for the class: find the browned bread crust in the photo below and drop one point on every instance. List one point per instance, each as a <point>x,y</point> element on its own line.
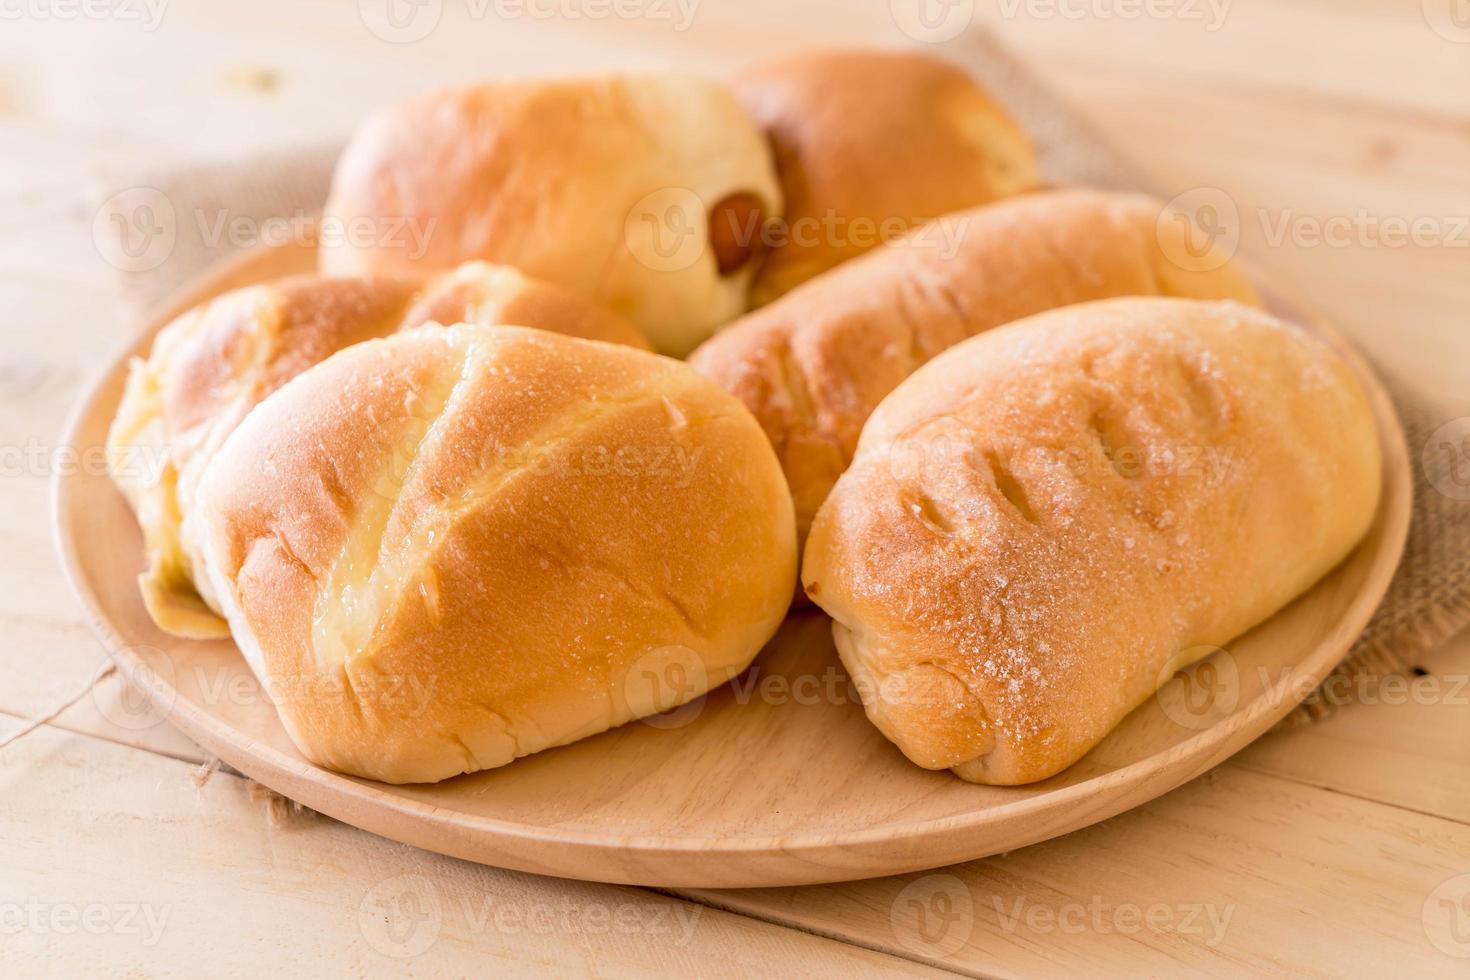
<point>209,368</point>
<point>870,144</point>
<point>1047,521</point>
<point>608,186</point>
<point>812,366</point>
<point>454,547</point>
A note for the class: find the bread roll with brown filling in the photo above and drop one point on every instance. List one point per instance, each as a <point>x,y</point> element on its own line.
<point>870,144</point>
<point>210,367</point>
<point>620,188</point>
<point>455,547</point>
<point>813,365</point>
<point>1045,522</point>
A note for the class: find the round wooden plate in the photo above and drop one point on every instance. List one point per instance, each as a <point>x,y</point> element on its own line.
<point>775,779</point>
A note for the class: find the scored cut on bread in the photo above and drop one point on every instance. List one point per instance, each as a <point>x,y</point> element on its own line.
<point>1047,521</point>
<point>207,369</point>
<point>457,546</point>
<point>814,365</point>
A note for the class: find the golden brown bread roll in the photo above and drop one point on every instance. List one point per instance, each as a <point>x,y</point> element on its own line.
<point>211,366</point>
<point>813,365</point>
<point>1045,522</point>
<point>607,186</point>
<point>455,547</point>
<point>870,144</point>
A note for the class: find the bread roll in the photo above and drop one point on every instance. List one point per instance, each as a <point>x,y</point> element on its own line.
<point>870,144</point>
<point>210,367</point>
<point>814,365</point>
<point>455,547</point>
<point>1046,522</point>
<point>608,186</point>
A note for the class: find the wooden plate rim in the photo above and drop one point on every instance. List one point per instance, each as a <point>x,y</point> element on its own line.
<point>340,796</point>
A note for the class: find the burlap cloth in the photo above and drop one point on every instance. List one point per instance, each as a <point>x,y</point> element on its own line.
<point>1428,601</point>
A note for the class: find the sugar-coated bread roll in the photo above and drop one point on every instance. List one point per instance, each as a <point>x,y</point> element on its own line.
<point>813,365</point>
<point>622,188</point>
<point>210,367</point>
<point>458,546</point>
<point>1045,522</point>
<point>868,145</point>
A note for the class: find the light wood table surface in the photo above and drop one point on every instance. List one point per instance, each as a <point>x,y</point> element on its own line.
<point>1337,127</point>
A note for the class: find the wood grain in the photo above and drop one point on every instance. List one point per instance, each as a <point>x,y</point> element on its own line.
<point>1292,103</point>
<point>170,863</point>
<point>1240,873</point>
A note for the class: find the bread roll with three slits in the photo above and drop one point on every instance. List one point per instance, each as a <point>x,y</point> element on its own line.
<point>457,546</point>
<point>1045,522</point>
<point>813,365</point>
<point>868,145</point>
<point>621,188</point>
<point>210,367</point>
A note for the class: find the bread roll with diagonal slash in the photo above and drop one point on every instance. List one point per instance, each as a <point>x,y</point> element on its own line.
<point>210,367</point>
<point>550,536</point>
<point>1046,521</point>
